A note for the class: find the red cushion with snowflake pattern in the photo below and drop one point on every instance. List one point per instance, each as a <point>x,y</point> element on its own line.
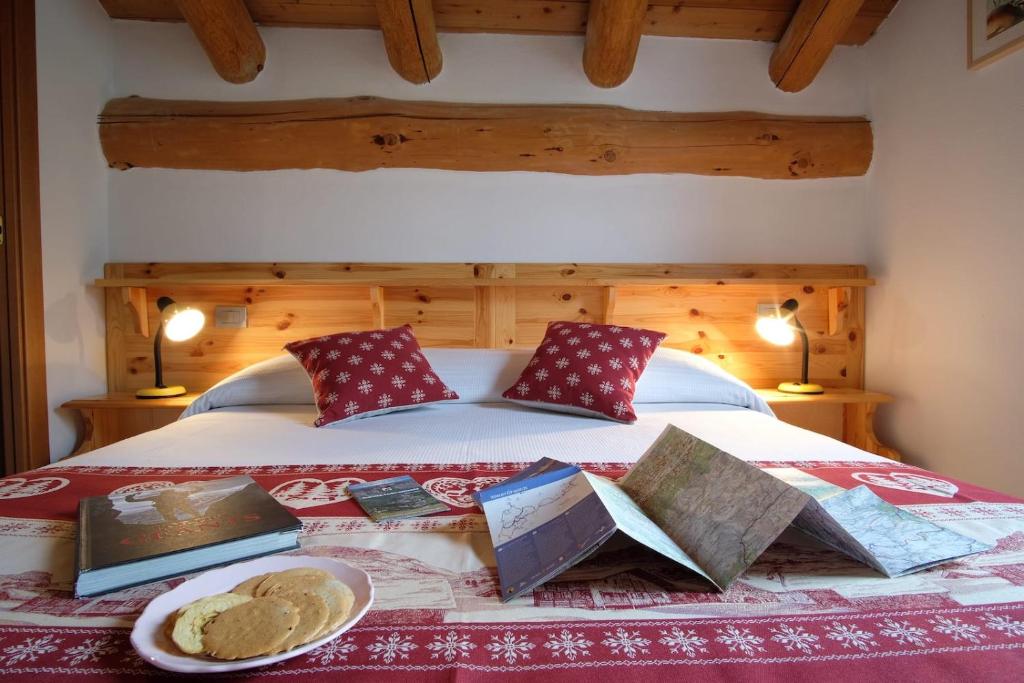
<point>586,368</point>
<point>361,374</point>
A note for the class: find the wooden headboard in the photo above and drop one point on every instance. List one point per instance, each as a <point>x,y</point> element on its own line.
<point>707,309</point>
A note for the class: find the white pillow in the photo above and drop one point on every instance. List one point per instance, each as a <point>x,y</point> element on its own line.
<point>674,376</point>
<point>280,380</point>
<point>481,375</point>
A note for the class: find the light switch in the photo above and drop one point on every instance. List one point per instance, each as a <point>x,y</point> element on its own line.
<point>230,316</point>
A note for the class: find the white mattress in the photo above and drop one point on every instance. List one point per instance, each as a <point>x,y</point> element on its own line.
<point>457,433</point>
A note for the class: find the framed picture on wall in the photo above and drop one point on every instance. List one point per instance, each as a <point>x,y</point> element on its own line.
<point>995,28</point>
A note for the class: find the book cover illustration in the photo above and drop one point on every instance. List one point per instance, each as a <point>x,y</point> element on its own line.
<point>395,498</point>
<point>122,528</point>
<point>700,507</point>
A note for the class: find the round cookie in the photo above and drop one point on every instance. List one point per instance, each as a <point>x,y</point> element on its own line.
<point>339,599</point>
<point>249,586</point>
<point>313,614</point>
<point>254,628</point>
<point>187,633</point>
<point>299,577</point>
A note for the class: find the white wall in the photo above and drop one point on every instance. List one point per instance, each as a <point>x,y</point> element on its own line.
<point>92,215</point>
<point>75,78</point>
<point>439,215</point>
<point>947,242</point>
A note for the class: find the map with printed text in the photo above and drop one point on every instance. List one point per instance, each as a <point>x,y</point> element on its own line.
<point>703,509</point>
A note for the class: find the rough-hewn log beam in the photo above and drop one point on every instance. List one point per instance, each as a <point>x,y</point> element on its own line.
<point>228,35</point>
<point>362,133</point>
<point>410,38</point>
<point>613,36</point>
<point>734,19</point>
<point>816,28</point>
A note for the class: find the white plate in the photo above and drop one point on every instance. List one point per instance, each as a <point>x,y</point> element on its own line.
<point>155,647</point>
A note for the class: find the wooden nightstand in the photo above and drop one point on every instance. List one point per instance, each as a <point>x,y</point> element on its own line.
<point>844,414</point>
<point>114,417</point>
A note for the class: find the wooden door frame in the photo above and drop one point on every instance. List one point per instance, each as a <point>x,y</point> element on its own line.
<point>22,249</point>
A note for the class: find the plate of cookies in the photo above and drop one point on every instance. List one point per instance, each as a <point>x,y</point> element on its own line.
<point>252,614</point>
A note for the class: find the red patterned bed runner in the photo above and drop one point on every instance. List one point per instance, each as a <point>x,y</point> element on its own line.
<point>800,612</point>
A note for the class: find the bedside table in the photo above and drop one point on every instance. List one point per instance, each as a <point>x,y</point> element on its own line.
<point>844,414</point>
<point>113,417</point>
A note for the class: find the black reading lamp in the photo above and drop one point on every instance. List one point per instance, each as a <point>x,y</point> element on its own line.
<point>779,329</point>
<point>178,323</point>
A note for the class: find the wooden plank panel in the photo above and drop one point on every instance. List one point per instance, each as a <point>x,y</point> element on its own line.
<point>838,302</point>
<point>537,306</point>
<point>718,323</point>
<point>608,295</point>
<point>714,321</point>
<point>364,133</point>
<point>377,306</point>
<point>276,316</point>
<point>287,273</point>
<point>440,316</point>
<point>620,273</point>
<point>823,418</point>
<point>235,274</point>
<point>732,19</point>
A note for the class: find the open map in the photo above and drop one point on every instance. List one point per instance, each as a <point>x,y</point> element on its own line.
<point>700,507</point>
<point>533,507</point>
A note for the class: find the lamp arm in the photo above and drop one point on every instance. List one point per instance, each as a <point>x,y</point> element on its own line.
<point>158,361</point>
<point>806,350</point>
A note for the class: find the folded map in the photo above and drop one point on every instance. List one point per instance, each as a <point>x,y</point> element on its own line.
<point>701,507</point>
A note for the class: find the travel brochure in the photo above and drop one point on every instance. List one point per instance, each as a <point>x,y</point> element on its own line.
<point>700,507</point>
<point>395,498</point>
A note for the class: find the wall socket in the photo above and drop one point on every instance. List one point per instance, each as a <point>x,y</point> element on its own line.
<point>230,316</point>
<point>768,311</point>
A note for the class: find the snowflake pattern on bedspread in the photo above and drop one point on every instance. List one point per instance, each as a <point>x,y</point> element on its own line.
<point>622,609</point>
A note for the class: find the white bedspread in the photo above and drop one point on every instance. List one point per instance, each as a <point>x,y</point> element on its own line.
<point>457,433</point>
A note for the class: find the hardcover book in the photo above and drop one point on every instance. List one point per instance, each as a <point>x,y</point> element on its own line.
<point>395,498</point>
<point>136,537</point>
<point>700,507</point>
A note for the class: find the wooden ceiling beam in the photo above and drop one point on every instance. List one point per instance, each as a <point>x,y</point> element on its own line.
<point>364,133</point>
<point>410,38</point>
<point>731,19</point>
<point>228,36</point>
<point>613,36</point>
<point>817,26</point>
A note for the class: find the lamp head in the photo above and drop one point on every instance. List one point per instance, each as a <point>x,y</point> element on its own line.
<point>777,328</point>
<point>177,323</point>
<point>180,322</point>
<point>781,328</point>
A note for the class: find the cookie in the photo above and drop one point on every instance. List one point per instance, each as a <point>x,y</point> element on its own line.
<point>249,586</point>
<point>339,599</point>
<point>313,615</point>
<point>187,633</point>
<point>255,628</point>
<point>299,578</point>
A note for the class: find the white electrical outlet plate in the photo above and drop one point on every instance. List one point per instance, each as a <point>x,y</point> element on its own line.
<point>230,316</point>
<point>768,311</point>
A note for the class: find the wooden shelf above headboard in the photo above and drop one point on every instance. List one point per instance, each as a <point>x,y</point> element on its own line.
<point>476,274</point>
<point>708,309</point>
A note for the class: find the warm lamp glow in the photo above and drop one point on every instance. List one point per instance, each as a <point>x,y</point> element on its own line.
<point>182,322</point>
<point>775,330</point>
<point>177,323</point>
<point>781,329</point>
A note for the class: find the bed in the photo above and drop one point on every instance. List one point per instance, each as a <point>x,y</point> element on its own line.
<point>800,613</point>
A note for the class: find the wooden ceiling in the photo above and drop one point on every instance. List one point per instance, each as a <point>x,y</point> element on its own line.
<point>807,29</point>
